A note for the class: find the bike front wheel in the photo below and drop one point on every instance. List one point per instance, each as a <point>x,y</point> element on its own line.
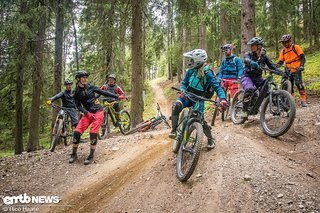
<point>56,139</point>
<point>237,108</point>
<point>125,122</point>
<point>287,86</point>
<point>277,113</point>
<point>189,152</point>
<point>177,141</point>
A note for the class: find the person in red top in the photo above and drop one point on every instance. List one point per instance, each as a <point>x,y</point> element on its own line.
<point>294,59</point>
<point>112,87</point>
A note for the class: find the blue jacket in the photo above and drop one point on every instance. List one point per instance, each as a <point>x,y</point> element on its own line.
<point>231,67</point>
<point>193,82</point>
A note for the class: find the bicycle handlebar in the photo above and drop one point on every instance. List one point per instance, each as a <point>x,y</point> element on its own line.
<point>272,71</point>
<point>60,107</point>
<point>198,97</point>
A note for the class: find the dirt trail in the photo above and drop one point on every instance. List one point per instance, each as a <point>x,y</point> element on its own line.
<point>247,172</point>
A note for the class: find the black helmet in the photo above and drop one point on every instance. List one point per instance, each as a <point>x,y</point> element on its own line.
<point>81,73</point>
<point>255,40</point>
<point>68,81</point>
<point>112,76</point>
<point>285,38</point>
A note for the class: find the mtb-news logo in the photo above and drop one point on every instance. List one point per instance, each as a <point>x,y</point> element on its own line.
<point>26,199</point>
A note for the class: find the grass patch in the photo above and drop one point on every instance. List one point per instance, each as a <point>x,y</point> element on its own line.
<point>149,105</point>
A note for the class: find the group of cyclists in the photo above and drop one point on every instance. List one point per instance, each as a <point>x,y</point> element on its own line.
<point>199,79</point>
<point>199,76</point>
<point>84,98</point>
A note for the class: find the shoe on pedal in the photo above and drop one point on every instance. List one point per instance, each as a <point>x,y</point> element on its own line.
<point>118,123</point>
<point>89,160</point>
<point>173,134</point>
<point>244,115</point>
<point>211,143</point>
<point>73,158</point>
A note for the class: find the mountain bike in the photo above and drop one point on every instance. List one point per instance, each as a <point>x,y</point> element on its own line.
<point>225,112</point>
<point>285,80</point>
<point>109,112</point>
<point>189,137</point>
<point>62,128</point>
<point>276,106</point>
<point>151,123</point>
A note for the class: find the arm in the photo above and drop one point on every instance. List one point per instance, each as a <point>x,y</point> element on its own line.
<point>79,105</point>
<point>247,59</point>
<point>215,86</point>
<point>269,63</point>
<point>57,96</point>
<point>185,81</point>
<point>120,91</point>
<point>302,59</point>
<point>105,93</point>
<point>239,67</point>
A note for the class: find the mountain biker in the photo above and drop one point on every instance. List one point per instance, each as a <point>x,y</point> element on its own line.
<point>111,86</point>
<point>197,80</point>
<point>231,69</point>
<point>253,60</point>
<point>67,102</point>
<point>294,59</point>
<point>85,99</point>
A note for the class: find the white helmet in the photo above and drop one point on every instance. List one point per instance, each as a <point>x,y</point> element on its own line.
<point>195,58</point>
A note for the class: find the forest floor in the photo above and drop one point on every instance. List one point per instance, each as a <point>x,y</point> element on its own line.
<point>246,172</point>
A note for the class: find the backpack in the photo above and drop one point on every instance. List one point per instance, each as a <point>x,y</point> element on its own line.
<point>234,61</point>
<point>293,49</point>
<point>115,88</point>
<point>208,93</point>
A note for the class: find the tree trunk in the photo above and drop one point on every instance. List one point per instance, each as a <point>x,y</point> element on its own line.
<point>169,42</point>
<point>305,10</point>
<point>248,29</point>
<point>136,54</point>
<point>75,42</point>
<point>202,36</point>
<point>224,25</point>
<point>110,37</point>
<point>38,49</point>
<point>19,87</point>
<point>58,52</point>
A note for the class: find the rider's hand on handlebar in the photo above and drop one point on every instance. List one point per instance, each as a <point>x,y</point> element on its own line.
<point>49,102</point>
<point>299,69</point>
<point>121,97</point>
<point>255,64</point>
<point>224,103</point>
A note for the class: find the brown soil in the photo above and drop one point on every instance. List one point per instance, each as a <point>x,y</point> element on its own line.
<point>247,171</point>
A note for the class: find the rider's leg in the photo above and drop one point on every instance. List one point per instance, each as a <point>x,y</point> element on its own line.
<point>298,81</point>
<point>94,130</point>
<point>74,117</point>
<point>248,87</point>
<point>176,109</point>
<point>116,107</point>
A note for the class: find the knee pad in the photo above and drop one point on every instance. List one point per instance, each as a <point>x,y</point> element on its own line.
<point>93,139</point>
<point>177,108</point>
<point>76,137</point>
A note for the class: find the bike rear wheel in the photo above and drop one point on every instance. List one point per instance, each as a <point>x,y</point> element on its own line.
<point>189,152</point>
<point>277,113</point>
<point>237,107</point>
<point>125,121</point>
<point>68,131</point>
<point>103,132</point>
<point>56,139</point>
<point>177,142</point>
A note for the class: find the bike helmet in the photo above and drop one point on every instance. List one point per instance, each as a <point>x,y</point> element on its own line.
<point>227,47</point>
<point>195,58</point>
<point>255,40</point>
<point>112,76</point>
<point>81,73</point>
<point>68,81</point>
<point>285,38</point>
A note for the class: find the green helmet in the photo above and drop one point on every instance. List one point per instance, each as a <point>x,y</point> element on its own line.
<point>255,40</point>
